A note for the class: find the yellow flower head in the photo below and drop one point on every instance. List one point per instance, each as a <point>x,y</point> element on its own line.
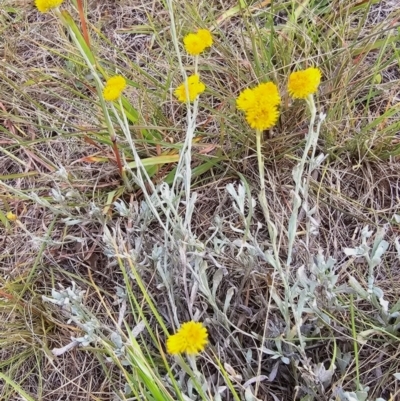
<point>114,87</point>
<point>196,43</point>
<point>262,117</point>
<point>267,93</point>
<point>195,87</point>
<point>205,36</point>
<point>11,216</point>
<point>46,5</point>
<point>246,100</point>
<point>304,83</point>
<point>260,105</point>
<point>191,338</point>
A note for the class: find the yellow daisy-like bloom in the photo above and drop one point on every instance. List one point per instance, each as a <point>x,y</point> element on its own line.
<point>205,36</point>
<point>196,43</point>
<point>260,105</point>
<point>11,216</point>
<point>191,338</point>
<point>246,100</point>
<point>267,93</point>
<point>195,87</point>
<point>262,117</point>
<point>304,83</point>
<point>46,5</point>
<point>114,87</point>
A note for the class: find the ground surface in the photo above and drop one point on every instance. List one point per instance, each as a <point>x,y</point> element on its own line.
<point>59,177</point>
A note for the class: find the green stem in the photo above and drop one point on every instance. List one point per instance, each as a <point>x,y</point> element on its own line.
<point>109,124</point>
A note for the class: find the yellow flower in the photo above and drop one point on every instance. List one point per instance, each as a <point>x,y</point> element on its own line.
<point>267,93</point>
<point>260,105</point>
<point>304,83</point>
<point>205,36</point>
<point>196,43</point>
<point>262,117</point>
<point>191,338</point>
<point>114,87</point>
<point>195,87</point>
<point>11,216</point>
<point>46,5</point>
<point>246,99</point>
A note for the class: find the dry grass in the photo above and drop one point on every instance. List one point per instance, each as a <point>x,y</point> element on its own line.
<point>49,119</point>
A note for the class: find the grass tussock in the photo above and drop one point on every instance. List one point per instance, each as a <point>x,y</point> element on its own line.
<point>124,216</point>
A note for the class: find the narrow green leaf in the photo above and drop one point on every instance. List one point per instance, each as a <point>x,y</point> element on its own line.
<point>17,175</point>
<point>153,161</point>
<point>69,22</point>
<point>16,387</point>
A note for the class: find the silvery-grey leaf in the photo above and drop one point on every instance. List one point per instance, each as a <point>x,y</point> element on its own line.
<point>359,251</point>
<point>357,287</point>
<point>248,395</point>
<point>116,339</point>
<point>254,380</point>
<point>228,298</point>
<point>324,375</point>
<point>343,361</point>
<point>217,278</point>
<point>136,330</point>
<point>274,396</point>
<point>274,371</point>
<point>268,351</point>
<point>285,360</point>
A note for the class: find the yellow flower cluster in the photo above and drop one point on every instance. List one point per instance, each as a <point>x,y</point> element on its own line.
<point>113,88</point>
<point>196,43</point>
<point>260,105</point>
<point>195,88</point>
<point>191,338</point>
<point>304,83</point>
<point>46,5</point>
